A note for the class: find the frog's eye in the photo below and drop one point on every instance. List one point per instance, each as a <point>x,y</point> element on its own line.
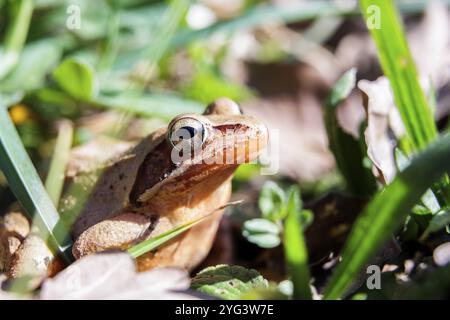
<point>187,132</point>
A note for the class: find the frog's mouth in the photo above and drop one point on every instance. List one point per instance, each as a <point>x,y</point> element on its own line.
<point>228,146</point>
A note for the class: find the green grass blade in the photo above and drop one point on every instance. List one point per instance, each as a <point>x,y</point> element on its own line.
<point>165,31</point>
<point>385,213</point>
<point>155,242</point>
<point>21,12</point>
<point>27,186</point>
<point>56,175</point>
<point>111,43</point>
<point>398,66</point>
<point>347,150</point>
<point>295,252</point>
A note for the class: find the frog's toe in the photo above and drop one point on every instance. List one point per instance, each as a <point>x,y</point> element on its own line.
<point>14,227</point>
<point>33,257</point>
<point>114,233</point>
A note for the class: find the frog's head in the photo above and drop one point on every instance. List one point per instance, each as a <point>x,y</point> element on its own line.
<point>199,150</point>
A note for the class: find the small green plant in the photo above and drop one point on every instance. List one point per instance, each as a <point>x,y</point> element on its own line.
<point>77,78</point>
<point>283,220</point>
<point>228,282</point>
<point>266,232</point>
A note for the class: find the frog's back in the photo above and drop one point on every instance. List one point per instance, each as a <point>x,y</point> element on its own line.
<point>106,189</point>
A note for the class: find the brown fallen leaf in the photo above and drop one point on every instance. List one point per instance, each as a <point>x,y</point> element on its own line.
<point>113,275</point>
<point>384,127</point>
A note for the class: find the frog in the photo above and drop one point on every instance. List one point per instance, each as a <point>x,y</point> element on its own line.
<point>175,175</point>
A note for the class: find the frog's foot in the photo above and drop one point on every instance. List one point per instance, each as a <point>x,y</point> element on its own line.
<point>14,227</point>
<point>22,252</point>
<point>118,232</point>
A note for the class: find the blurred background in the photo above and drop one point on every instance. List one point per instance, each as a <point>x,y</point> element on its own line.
<point>139,63</point>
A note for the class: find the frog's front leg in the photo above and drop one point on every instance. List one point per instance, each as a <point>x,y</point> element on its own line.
<point>125,230</point>
<point>118,232</point>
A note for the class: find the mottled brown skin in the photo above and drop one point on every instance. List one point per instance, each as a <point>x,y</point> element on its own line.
<point>14,227</point>
<point>144,193</point>
<point>22,252</point>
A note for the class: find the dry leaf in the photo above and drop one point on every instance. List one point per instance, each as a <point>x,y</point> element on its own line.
<point>113,275</point>
<point>383,119</point>
<point>351,114</point>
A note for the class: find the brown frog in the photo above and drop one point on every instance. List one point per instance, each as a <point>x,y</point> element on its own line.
<point>173,176</point>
